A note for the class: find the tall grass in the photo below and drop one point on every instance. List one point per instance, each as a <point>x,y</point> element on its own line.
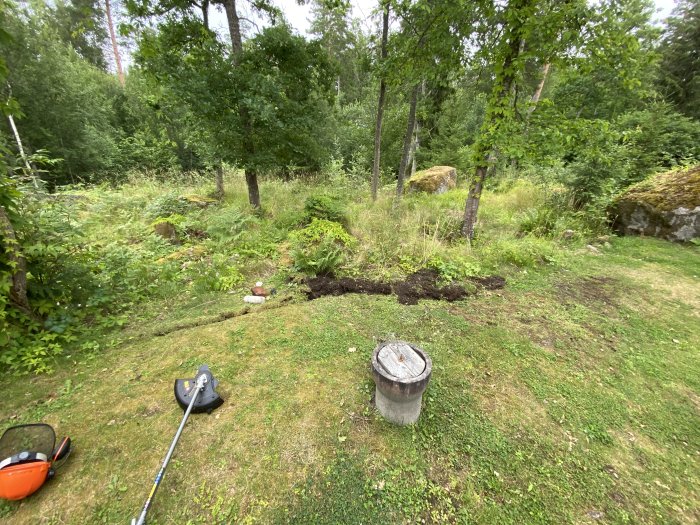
<point>394,239</point>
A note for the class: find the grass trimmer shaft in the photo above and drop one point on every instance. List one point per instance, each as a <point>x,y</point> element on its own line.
<point>194,395</point>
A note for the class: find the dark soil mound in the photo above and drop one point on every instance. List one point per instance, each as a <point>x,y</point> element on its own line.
<point>490,282</point>
<point>421,285</point>
<point>320,286</point>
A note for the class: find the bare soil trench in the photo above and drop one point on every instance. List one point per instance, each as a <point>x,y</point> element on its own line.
<point>422,284</point>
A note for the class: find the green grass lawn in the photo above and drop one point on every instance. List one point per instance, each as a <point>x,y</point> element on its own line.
<point>571,396</point>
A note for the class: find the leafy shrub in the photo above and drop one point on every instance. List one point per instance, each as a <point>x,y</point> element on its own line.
<point>166,205</point>
<point>228,226</point>
<point>324,207</point>
<point>320,248</point>
<point>220,273</point>
<point>523,253</point>
<point>447,227</point>
<point>539,221</point>
<point>559,213</point>
<point>455,268</point>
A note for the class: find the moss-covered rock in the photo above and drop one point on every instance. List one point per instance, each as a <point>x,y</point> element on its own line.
<point>665,205</point>
<point>199,200</point>
<point>437,179</point>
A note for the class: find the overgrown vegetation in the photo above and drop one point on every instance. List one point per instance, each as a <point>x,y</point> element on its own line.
<point>150,201</point>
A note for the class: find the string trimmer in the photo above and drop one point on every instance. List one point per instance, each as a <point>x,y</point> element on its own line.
<point>193,395</point>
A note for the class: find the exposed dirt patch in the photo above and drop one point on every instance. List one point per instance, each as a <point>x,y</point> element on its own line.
<point>588,290</point>
<point>490,282</point>
<point>320,286</point>
<point>422,284</point>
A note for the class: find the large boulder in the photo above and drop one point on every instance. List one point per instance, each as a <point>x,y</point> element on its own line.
<point>666,205</point>
<point>437,179</point>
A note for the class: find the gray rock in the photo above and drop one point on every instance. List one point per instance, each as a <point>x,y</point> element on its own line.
<point>680,224</point>
<point>666,205</point>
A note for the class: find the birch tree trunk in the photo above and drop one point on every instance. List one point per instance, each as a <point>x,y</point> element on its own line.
<point>538,92</point>
<point>380,107</point>
<point>251,176</point>
<point>407,140</point>
<point>414,149</point>
<point>115,46</point>
<point>20,148</point>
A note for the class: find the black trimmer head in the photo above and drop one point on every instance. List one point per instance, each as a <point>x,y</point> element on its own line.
<point>208,399</point>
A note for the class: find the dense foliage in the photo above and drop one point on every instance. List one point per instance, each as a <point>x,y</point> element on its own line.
<point>582,99</point>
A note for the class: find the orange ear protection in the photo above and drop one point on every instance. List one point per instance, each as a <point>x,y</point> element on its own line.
<point>27,459</point>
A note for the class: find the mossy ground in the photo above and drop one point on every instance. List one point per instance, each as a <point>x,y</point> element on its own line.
<point>571,396</point>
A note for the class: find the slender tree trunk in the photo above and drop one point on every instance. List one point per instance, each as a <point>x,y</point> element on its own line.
<point>380,106</point>
<point>538,92</point>
<point>115,47</point>
<point>205,14</point>
<point>18,288</point>
<point>414,149</point>
<point>472,206</point>
<point>251,177</point>
<point>220,181</point>
<point>234,29</point>
<point>407,140</point>
<point>497,107</point>
<point>22,155</point>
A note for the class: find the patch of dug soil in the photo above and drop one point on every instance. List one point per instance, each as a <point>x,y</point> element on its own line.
<point>588,290</point>
<point>320,286</point>
<point>490,282</point>
<point>422,284</point>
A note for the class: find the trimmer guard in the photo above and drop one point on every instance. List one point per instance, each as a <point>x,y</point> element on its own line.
<point>208,399</point>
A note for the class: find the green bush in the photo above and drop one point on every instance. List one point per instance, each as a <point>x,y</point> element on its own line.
<point>454,268</point>
<point>527,252</point>
<point>324,207</point>
<point>166,205</point>
<point>219,274</point>
<point>228,226</point>
<point>559,213</point>
<point>320,248</point>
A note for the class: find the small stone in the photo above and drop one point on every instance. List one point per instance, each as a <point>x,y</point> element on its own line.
<point>676,341</point>
<point>111,422</point>
<point>259,291</point>
<point>592,249</point>
<point>568,234</point>
<point>595,514</point>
